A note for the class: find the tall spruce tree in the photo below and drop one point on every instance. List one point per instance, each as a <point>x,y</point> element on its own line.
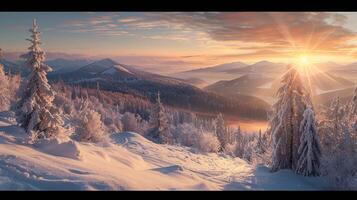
<point>4,89</point>
<point>309,151</point>
<point>354,103</point>
<point>293,99</point>
<point>35,112</point>
<point>159,124</point>
<point>260,143</point>
<point>221,132</point>
<point>353,111</point>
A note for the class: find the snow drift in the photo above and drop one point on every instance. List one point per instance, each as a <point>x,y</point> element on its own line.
<point>129,162</point>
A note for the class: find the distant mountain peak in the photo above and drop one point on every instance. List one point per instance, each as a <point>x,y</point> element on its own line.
<point>108,62</point>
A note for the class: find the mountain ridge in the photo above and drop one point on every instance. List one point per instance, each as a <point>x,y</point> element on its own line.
<point>174,92</point>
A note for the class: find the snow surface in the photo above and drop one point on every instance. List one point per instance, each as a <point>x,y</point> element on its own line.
<point>110,71</point>
<point>128,161</point>
<point>116,69</point>
<point>123,69</point>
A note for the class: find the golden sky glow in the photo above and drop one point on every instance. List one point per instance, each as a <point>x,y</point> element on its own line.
<point>190,39</point>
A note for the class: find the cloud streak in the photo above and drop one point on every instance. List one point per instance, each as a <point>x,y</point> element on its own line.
<point>265,27</point>
<point>297,30</point>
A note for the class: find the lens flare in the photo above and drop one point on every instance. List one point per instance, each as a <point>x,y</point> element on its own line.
<point>303,61</point>
<point>303,64</point>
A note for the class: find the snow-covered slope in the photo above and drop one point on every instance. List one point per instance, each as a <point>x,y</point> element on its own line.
<point>128,161</point>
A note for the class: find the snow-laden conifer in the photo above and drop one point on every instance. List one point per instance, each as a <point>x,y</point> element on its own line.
<point>35,112</point>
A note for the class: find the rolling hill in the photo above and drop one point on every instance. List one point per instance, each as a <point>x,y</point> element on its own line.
<point>195,82</point>
<point>246,84</point>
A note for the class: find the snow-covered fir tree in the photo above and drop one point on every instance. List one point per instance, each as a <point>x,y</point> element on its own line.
<point>260,142</point>
<point>221,131</point>
<point>4,89</point>
<point>341,126</point>
<point>99,93</point>
<point>309,151</point>
<point>14,84</point>
<point>9,87</point>
<point>35,112</point>
<point>336,111</point>
<point>129,122</point>
<point>91,128</point>
<point>334,127</point>
<point>338,142</point>
<point>285,123</point>
<point>3,81</point>
<point>249,150</point>
<point>159,124</point>
<point>354,103</point>
<point>73,93</point>
<point>1,55</point>
<point>353,110</point>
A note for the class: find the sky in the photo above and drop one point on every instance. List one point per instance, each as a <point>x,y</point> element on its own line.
<point>180,41</point>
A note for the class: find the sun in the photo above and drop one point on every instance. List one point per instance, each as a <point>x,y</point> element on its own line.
<point>303,60</point>
<point>303,63</point>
